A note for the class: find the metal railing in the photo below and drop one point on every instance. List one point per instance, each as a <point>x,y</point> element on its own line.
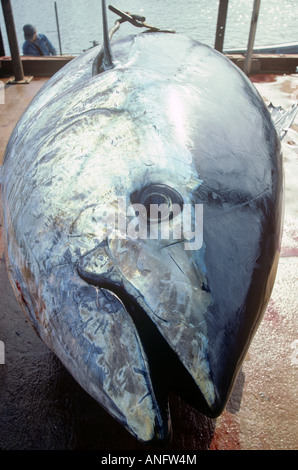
<point>221,26</point>
<point>219,38</point>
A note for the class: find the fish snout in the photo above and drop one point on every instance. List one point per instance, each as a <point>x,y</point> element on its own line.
<point>169,324</point>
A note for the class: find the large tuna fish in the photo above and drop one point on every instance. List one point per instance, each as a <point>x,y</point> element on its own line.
<point>161,120</point>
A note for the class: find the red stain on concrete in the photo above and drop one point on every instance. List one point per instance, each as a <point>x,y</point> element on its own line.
<point>226,436</point>
<point>287,251</point>
<point>272,315</point>
<point>263,78</point>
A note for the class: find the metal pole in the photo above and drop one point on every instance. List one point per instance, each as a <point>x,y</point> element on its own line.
<point>221,24</point>
<point>13,42</point>
<point>252,34</point>
<point>58,29</point>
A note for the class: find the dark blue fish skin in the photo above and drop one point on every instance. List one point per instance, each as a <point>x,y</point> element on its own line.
<point>242,233</point>
<point>132,319</point>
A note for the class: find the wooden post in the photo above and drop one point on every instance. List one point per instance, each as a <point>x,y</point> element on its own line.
<point>252,34</point>
<point>2,50</point>
<point>221,24</point>
<point>13,42</point>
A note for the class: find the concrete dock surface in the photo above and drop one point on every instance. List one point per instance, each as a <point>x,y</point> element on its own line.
<point>43,408</point>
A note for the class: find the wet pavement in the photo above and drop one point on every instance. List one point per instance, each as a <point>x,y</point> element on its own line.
<point>42,407</point>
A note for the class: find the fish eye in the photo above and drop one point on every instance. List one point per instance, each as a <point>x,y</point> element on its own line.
<point>158,200</point>
<point>155,198</point>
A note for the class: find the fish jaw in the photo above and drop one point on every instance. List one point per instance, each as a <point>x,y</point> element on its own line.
<point>116,373</point>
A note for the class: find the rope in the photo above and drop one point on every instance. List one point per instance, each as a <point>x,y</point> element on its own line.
<point>136,20</point>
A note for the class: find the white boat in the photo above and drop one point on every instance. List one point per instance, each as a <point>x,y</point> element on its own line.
<point>285,48</point>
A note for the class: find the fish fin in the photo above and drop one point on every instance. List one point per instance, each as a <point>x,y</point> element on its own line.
<point>104,60</point>
<point>283,118</point>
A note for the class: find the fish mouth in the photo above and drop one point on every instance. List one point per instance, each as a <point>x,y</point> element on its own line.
<point>166,369</point>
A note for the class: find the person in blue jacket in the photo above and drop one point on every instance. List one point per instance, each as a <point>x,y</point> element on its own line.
<point>36,44</point>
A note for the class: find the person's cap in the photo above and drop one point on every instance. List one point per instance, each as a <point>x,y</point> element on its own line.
<point>29,31</point>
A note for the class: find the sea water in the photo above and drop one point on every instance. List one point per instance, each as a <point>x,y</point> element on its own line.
<point>80,20</point>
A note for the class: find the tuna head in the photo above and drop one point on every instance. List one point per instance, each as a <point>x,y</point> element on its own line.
<point>142,211</point>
